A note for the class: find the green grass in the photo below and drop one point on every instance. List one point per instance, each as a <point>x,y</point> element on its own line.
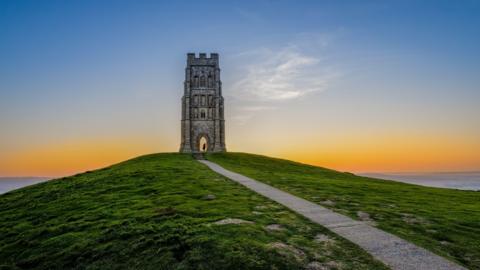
<point>444,221</point>
<point>151,212</point>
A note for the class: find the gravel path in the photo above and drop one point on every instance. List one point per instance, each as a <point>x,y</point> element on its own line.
<point>385,247</point>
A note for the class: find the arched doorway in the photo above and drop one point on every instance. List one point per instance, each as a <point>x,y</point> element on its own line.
<point>203,144</point>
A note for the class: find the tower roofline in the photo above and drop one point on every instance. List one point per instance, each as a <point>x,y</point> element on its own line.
<point>192,56</point>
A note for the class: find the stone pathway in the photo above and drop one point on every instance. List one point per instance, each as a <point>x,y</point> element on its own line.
<point>385,247</point>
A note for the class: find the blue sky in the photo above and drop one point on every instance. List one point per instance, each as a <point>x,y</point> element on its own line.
<point>324,82</point>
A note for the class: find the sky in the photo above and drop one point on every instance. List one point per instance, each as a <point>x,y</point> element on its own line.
<point>360,86</point>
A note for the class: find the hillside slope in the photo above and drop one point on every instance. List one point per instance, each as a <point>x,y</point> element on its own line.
<point>444,221</point>
<point>160,212</point>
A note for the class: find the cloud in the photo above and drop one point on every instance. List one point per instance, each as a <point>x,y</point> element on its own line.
<point>256,108</point>
<point>266,79</point>
<point>243,113</point>
<point>284,74</point>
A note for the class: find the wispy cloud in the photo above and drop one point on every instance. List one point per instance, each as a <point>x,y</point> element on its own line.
<point>266,77</point>
<point>284,74</point>
<point>243,113</point>
<point>256,108</point>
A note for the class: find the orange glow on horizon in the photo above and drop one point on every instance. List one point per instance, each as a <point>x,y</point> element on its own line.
<point>71,158</point>
<point>350,153</point>
<point>393,155</point>
<point>375,153</point>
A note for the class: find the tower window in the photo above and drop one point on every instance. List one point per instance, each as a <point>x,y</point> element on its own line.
<point>195,81</point>
<point>210,81</point>
<point>202,114</point>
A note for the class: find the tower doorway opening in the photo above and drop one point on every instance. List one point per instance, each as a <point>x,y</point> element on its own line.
<point>203,144</point>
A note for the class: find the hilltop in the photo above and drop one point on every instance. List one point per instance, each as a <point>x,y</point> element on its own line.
<point>168,211</point>
<point>161,211</point>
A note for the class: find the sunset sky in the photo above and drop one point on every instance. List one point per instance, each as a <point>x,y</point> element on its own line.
<point>361,86</point>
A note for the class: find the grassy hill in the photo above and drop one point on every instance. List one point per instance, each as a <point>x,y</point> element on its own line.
<point>162,211</point>
<point>444,221</point>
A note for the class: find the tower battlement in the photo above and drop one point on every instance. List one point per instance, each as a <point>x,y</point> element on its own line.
<point>202,59</point>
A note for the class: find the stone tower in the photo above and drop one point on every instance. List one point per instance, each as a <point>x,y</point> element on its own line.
<point>203,124</point>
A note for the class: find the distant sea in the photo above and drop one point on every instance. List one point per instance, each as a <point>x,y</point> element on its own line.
<point>454,180</point>
<point>11,183</point>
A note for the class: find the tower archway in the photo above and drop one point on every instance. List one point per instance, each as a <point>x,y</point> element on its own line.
<point>203,144</point>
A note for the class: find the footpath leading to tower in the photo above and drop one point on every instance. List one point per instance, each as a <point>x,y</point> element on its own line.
<point>385,247</point>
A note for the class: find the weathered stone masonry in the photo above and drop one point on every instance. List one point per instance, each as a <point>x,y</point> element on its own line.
<point>202,105</point>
